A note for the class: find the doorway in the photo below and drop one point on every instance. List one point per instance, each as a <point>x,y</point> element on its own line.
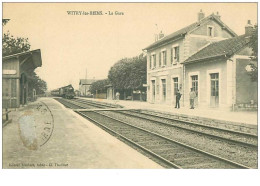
<point>153,91</point>
<point>23,89</point>
<point>175,88</point>
<point>195,87</point>
<point>163,90</point>
<point>214,90</point>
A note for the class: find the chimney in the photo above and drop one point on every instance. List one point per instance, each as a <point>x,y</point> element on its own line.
<point>161,35</point>
<point>201,15</point>
<point>249,28</point>
<point>156,37</point>
<point>217,15</point>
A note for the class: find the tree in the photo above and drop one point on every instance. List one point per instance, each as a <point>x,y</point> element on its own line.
<point>129,74</point>
<point>5,21</point>
<point>99,86</point>
<point>12,45</point>
<point>138,73</point>
<point>35,82</point>
<point>254,45</point>
<point>119,73</point>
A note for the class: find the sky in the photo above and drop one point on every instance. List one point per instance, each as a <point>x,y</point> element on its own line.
<point>77,46</point>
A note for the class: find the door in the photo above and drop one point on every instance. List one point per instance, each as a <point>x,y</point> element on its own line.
<point>175,88</point>
<point>195,86</point>
<point>153,91</point>
<point>163,90</point>
<point>214,90</point>
<point>23,89</point>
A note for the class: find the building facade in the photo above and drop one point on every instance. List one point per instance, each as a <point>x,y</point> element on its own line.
<point>166,70</point>
<point>84,85</point>
<point>219,75</point>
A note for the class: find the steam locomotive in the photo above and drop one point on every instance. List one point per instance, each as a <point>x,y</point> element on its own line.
<point>65,92</point>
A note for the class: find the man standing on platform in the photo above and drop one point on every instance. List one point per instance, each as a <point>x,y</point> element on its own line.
<point>178,97</point>
<point>192,97</point>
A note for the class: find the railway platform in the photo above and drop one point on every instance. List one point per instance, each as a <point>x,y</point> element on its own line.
<point>74,142</point>
<point>247,118</point>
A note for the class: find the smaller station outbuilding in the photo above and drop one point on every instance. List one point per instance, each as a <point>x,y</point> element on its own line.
<point>84,85</point>
<point>219,75</point>
<point>15,77</point>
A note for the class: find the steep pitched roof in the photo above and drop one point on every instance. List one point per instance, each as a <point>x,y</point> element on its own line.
<point>180,33</point>
<point>67,86</point>
<point>226,47</point>
<point>86,81</point>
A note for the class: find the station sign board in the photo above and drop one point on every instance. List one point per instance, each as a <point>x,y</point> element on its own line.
<point>9,72</point>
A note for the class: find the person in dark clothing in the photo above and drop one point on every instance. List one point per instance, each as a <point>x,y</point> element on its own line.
<point>178,97</point>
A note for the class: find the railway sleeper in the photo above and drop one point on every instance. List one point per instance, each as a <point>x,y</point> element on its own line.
<point>209,165</point>
<point>167,151</point>
<point>180,155</point>
<point>169,146</point>
<point>144,140</point>
<point>192,160</point>
<point>155,142</point>
<point>197,128</point>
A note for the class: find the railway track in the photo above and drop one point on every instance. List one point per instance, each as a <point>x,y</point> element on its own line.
<point>212,132</point>
<point>238,138</point>
<point>69,104</point>
<point>170,152</point>
<point>97,104</point>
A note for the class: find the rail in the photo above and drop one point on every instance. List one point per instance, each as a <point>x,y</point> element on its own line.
<point>120,127</point>
<point>81,107</point>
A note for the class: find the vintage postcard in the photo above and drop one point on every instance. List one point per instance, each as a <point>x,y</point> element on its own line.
<point>129,85</point>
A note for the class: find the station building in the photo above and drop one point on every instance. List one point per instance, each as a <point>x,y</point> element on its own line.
<point>15,77</point>
<point>219,74</point>
<point>181,61</point>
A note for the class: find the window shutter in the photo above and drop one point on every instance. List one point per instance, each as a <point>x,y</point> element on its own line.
<point>154,60</point>
<point>178,51</point>
<point>171,55</point>
<point>150,61</point>
<point>160,58</point>
<point>165,62</point>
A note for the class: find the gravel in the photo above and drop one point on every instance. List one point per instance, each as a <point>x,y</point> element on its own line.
<point>244,155</point>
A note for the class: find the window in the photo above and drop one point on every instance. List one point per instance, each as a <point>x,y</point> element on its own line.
<point>176,54</point>
<point>214,84</point>
<point>164,54</point>
<point>175,85</point>
<point>210,31</point>
<point>163,89</point>
<point>194,83</point>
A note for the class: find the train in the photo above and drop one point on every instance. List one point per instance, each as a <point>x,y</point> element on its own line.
<point>65,92</point>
